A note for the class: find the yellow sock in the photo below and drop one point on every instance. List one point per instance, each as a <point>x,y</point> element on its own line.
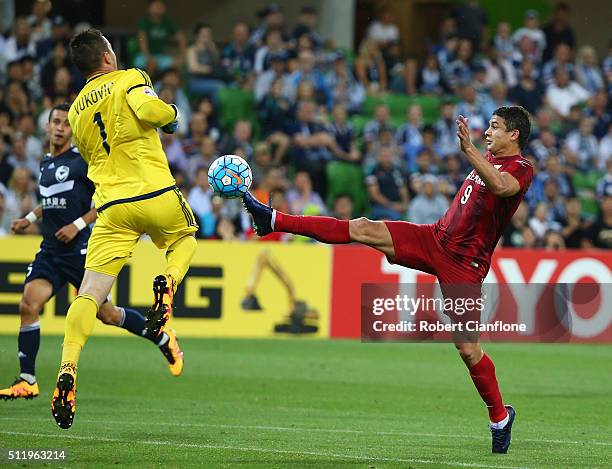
<point>80,322</point>
<point>179,255</point>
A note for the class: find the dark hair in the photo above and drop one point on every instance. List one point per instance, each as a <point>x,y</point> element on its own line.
<point>516,118</point>
<point>429,128</point>
<point>26,115</point>
<point>167,88</point>
<point>59,42</point>
<point>199,26</point>
<point>86,50</point>
<point>271,31</point>
<point>343,195</point>
<point>59,107</point>
<point>552,181</point>
<point>169,71</point>
<point>27,58</point>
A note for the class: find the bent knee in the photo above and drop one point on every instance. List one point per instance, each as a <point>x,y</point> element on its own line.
<point>470,353</point>
<point>363,230</point>
<point>29,311</point>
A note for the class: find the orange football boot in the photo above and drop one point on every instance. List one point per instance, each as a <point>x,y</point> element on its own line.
<point>159,314</point>
<point>63,404</point>
<point>20,389</point>
<point>173,353</point>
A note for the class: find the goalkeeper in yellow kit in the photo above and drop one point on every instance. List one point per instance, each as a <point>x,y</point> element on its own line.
<point>114,120</point>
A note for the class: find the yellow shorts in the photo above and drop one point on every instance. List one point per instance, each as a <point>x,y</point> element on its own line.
<point>165,218</point>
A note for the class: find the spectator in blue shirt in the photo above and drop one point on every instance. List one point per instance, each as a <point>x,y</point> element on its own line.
<point>554,171</point>
<point>544,145</point>
<point>238,56</point>
<point>598,110</point>
<point>381,120</point>
<point>445,127</point>
<point>386,185</point>
<point>458,73</point>
<point>272,18</point>
<point>588,73</point>
<point>307,24</point>
<point>343,86</point>
<point>561,59</point>
<point>312,144</point>
<point>307,70</point>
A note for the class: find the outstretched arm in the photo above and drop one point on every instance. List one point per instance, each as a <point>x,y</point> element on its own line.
<point>502,184</point>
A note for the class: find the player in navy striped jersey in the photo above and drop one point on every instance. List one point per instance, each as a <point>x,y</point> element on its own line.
<point>66,213</point>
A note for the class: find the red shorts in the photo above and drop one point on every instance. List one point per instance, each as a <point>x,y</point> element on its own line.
<point>417,247</point>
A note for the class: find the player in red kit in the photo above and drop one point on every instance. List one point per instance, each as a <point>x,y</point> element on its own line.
<point>457,249</point>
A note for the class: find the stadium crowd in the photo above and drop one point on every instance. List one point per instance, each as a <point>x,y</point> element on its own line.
<point>323,135</point>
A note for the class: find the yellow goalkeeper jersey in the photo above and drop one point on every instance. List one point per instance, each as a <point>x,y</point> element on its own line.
<point>114,121</point>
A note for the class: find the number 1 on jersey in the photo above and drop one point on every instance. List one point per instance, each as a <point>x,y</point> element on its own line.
<point>98,120</point>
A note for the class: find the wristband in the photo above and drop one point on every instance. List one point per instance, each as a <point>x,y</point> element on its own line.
<point>80,223</point>
<point>31,217</point>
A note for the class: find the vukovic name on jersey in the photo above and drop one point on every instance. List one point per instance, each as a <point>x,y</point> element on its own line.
<point>91,98</point>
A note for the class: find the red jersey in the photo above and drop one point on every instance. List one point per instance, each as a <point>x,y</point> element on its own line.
<point>476,219</point>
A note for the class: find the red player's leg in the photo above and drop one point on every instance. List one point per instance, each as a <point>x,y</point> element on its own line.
<point>485,380</point>
<point>460,282</point>
<point>324,229</point>
<point>375,234</point>
<point>333,231</point>
<point>482,372</point>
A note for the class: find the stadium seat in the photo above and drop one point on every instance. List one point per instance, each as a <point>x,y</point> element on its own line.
<point>585,184</point>
<point>349,54</point>
<point>430,106</point>
<point>346,178</point>
<point>236,104</point>
<point>358,122</point>
<point>398,103</point>
<point>132,49</point>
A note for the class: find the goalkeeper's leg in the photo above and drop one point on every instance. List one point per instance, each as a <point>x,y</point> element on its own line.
<point>80,321</point>
<point>178,255</point>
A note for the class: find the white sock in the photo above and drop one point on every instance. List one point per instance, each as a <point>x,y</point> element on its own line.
<point>30,327</point>
<point>31,379</point>
<point>122,317</point>
<point>273,219</point>
<point>164,340</point>
<point>501,424</point>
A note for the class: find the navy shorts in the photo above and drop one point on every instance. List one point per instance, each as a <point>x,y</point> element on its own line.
<point>57,270</point>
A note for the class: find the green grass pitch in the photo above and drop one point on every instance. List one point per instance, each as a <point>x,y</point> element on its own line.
<point>305,403</point>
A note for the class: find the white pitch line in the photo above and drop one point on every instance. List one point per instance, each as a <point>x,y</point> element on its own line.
<point>268,450</point>
<point>373,432</point>
<point>334,430</point>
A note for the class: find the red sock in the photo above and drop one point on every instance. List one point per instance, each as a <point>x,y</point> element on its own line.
<point>324,229</point>
<point>483,375</point>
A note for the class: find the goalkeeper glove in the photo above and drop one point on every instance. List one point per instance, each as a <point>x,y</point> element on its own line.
<point>171,127</point>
